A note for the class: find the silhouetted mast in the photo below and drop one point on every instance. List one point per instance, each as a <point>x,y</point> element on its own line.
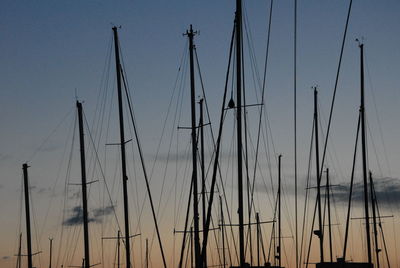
<point>27,215</point>
<point>258,239</point>
<point>197,253</point>
<point>238,36</point>
<point>319,232</point>
<point>364,153</point>
<point>118,249</point>
<point>147,253</point>
<point>279,213</point>
<point>373,201</point>
<point>203,172</point>
<point>84,192</point>
<point>329,215</point>
<point>51,251</point>
<point>122,144</point>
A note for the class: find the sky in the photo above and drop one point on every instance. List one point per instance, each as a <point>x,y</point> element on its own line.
<point>52,52</point>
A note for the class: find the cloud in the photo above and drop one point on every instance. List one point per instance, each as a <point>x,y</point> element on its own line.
<point>387,191</point>
<point>99,212</point>
<point>77,215</point>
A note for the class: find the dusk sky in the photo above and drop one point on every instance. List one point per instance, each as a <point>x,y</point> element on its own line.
<point>52,52</point>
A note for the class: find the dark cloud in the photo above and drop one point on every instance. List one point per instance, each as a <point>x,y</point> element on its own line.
<point>77,215</point>
<point>76,218</point>
<point>387,191</point>
<point>99,212</point>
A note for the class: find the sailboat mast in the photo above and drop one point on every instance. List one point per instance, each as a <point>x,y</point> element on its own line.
<point>319,233</point>
<point>147,253</point>
<point>238,36</point>
<point>84,191</point>
<point>203,172</point>
<point>258,239</point>
<point>364,154</point>
<point>198,257</point>
<point>51,251</point>
<point>27,215</point>
<point>373,201</point>
<point>279,212</point>
<point>122,144</point>
<point>329,214</point>
<point>118,249</point>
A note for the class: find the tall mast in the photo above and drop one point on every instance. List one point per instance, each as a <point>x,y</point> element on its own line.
<point>329,215</point>
<point>258,239</point>
<point>147,253</point>
<point>27,215</point>
<point>122,144</point>
<point>118,248</point>
<point>198,257</point>
<point>364,154</point>
<point>84,192</point>
<point>319,232</point>
<point>279,213</point>
<point>238,36</point>
<point>203,172</point>
<point>373,201</point>
<point>51,251</point>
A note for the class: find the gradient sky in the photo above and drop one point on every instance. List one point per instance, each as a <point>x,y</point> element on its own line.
<point>52,50</point>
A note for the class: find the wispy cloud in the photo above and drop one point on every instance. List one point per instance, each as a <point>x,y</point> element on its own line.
<point>387,191</point>
<point>99,212</point>
<point>97,217</point>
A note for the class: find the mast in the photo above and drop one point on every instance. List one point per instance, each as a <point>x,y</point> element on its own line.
<point>373,201</point>
<point>258,239</point>
<point>329,215</point>
<point>27,215</point>
<point>147,253</point>
<point>279,213</point>
<point>203,177</point>
<point>364,154</point>
<point>84,192</point>
<point>122,144</point>
<point>51,251</point>
<point>191,247</point>
<point>118,245</point>
<point>198,257</point>
<point>319,232</point>
<point>238,36</point>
